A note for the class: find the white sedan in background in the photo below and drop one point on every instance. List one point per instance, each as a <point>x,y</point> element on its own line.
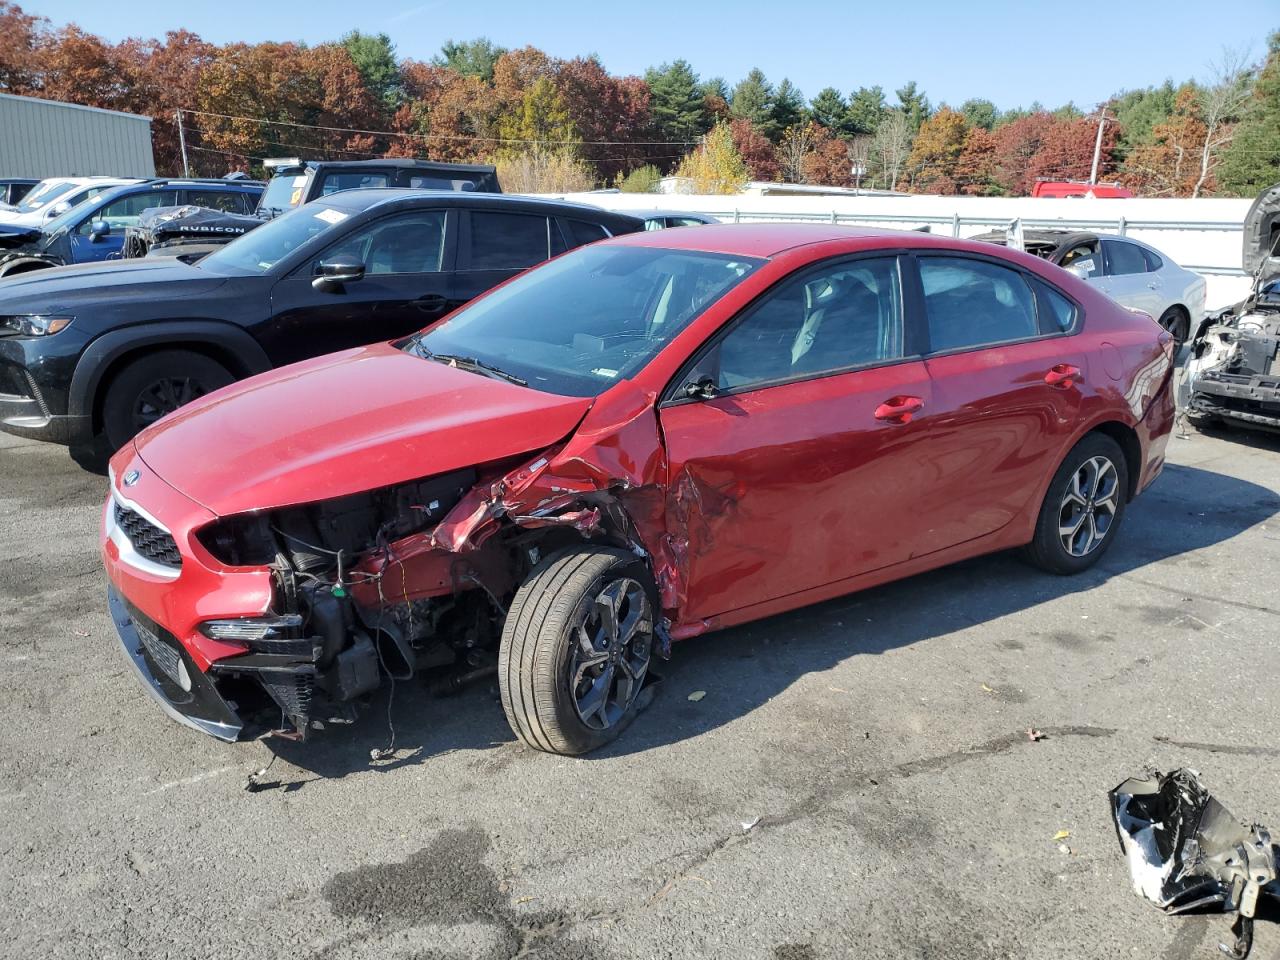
<point>1130,272</point>
<point>52,198</point>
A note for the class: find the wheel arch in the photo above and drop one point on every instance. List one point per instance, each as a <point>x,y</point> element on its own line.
<point>221,342</point>
<point>1127,439</point>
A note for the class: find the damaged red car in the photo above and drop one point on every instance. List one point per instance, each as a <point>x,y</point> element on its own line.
<point>646,439</point>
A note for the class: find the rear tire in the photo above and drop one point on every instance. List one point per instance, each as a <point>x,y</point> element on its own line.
<point>569,680</point>
<point>1082,509</point>
<point>155,385</point>
<point>1177,322</point>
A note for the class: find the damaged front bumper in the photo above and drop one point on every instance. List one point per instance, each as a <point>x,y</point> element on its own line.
<point>166,671</point>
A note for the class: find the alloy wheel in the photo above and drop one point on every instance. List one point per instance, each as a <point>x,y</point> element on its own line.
<point>612,643</point>
<point>163,397</point>
<point>1089,506</point>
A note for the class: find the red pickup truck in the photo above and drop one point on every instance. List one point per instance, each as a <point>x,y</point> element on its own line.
<point>1078,188</point>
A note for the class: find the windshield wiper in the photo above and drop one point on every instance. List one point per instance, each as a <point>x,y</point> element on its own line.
<point>471,363</point>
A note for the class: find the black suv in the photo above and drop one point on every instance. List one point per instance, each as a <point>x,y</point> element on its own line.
<point>294,182</point>
<point>91,354</point>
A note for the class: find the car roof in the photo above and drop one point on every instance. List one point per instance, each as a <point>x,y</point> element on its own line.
<point>368,199</point>
<point>770,239</point>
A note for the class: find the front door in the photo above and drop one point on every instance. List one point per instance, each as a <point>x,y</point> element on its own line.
<point>406,286</point>
<point>798,467</point>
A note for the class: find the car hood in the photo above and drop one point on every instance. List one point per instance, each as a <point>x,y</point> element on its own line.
<point>62,289</point>
<point>1260,256</point>
<point>345,423</point>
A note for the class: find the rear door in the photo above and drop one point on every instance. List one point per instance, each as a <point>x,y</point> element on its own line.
<point>800,468</point>
<point>494,246</point>
<point>1129,279</point>
<point>1006,373</point>
<point>407,285</point>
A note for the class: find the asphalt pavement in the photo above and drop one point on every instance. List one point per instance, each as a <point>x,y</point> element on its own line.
<point>857,780</point>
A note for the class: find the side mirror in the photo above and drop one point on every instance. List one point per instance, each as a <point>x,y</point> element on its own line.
<point>98,229</point>
<point>332,274</point>
<point>704,388</point>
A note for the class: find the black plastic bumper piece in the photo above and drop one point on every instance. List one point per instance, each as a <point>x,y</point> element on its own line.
<point>188,695</point>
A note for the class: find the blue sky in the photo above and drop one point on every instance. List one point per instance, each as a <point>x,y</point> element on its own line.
<point>1010,52</point>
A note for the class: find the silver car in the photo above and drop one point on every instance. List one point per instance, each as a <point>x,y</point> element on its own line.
<point>1130,272</point>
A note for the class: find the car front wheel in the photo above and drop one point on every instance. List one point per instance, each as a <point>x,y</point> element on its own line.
<point>153,386</point>
<point>1082,508</point>
<point>575,649</point>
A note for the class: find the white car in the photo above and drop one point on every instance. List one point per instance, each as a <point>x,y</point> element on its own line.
<point>1131,273</point>
<point>53,197</point>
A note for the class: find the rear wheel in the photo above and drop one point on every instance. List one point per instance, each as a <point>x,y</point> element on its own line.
<point>575,649</point>
<point>1177,322</point>
<point>154,385</point>
<point>1082,508</point>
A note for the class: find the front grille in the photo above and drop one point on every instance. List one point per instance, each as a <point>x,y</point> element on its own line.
<point>148,540</point>
<point>161,654</point>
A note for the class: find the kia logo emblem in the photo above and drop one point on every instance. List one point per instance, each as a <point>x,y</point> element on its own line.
<point>131,478</point>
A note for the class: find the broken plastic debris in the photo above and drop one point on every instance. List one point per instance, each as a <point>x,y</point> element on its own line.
<point>1187,852</point>
<point>1063,848</point>
<point>988,689</point>
<point>747,825</point>
<point>697,695</point>
<point>1033,734</point>
<point>1061,835</point>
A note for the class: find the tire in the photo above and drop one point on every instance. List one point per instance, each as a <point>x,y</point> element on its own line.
<point>1177,322</point>
<point>154,385</point>
<point>1059,512</point>
<point>549,685</point>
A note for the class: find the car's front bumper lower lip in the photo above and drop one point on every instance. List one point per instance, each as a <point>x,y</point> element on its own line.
<point>201,708</point>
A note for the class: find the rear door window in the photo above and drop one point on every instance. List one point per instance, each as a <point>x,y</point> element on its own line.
<point>581,233</point>
<point>1124,258</point>
<point>971,303</point>
<point>507,241</point>
<point>228,201</point>
<point>125,211</point>
<point>333,182</point>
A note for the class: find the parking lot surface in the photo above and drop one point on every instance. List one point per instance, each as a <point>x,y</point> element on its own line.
<point>856,781</point>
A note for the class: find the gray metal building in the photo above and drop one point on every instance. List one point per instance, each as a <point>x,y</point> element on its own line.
<point>44,138</point>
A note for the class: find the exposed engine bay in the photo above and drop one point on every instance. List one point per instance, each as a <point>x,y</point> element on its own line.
<point>1234,370</point>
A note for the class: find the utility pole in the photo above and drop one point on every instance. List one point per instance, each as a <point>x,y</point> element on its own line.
<point>182,144</point>
<point>1097,148</point>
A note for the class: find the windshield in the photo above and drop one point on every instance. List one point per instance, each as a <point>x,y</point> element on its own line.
<point>43,194</point>
<point>580,323</point>
<point>263,247</point>
<point>284,192</point>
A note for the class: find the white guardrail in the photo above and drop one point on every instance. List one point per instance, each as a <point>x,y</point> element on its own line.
<point>1201,235</point>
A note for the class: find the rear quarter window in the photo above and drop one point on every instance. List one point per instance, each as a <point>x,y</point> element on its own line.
<point>581,232</point>
<point>1056,313</point>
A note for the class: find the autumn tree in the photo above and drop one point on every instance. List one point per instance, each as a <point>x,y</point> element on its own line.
<point>1222,102</point>
<point>975,168</point>
<point>936,152</point>
<point>20,37</point>
<point>1066,151</point>
<point>797,143</point>
<point>1016,144</point>
<point>757,150</point>
<point>715,166</point>
<point>828,162</point>
<point>1167,163</point>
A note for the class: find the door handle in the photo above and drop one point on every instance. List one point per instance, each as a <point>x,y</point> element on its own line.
<point>1153,285</point>
<point>899,409</point>
<point>430,303</point>
<point>1064,376</point>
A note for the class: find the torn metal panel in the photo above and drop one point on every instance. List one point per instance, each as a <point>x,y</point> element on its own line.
<point>1187,852</point>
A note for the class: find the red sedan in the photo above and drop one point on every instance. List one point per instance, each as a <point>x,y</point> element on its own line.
<point>641,441</point>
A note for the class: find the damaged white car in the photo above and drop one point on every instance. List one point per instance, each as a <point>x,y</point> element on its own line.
<point>1233,373</point>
